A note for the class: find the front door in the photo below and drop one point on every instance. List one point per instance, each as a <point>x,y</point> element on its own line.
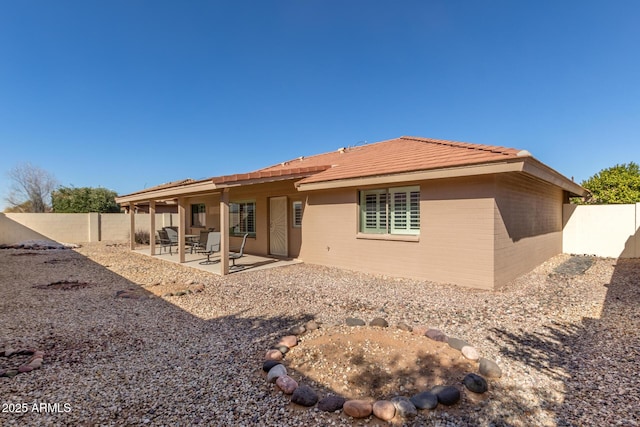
<point>278,226</point>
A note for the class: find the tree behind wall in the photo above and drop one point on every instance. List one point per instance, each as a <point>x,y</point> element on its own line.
<point>83,200</point>
<point>617,184</point>
<point>30,189</point>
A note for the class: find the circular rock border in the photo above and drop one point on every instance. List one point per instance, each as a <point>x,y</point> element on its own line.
<point>35,361</point>
<point>385,410</point>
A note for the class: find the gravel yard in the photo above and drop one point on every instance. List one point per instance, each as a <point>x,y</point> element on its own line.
<point>568,341</point>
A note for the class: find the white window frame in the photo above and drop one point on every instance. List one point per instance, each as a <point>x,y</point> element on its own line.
<point>242,218</point>
<point>390,211</point>
<point>296,216</point>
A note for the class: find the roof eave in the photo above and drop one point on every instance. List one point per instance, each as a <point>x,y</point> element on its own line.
<point>169,193</point>
<point>540,170</point>
<point>528,165</point>
<point>422,175</point>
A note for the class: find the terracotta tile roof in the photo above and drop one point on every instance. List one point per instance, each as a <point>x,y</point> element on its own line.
<point>171,184</point>
<point>404,154</point>
<point>283,172</point>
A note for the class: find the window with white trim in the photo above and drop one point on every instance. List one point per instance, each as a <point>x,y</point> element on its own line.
<point>242,218</point>
<point>390,211</point>
<point>297,214</point>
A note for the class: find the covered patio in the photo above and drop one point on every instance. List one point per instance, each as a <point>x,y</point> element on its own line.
<point>255,203</point>
<point>197,261</point>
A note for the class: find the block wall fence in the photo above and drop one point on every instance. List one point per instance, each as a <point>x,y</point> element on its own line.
<point>75,228</point>
<point>603,230</point>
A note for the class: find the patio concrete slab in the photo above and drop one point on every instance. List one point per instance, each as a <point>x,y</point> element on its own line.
<point>198,261</point>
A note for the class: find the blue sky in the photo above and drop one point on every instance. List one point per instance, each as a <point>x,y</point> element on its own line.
<point>135,93</point>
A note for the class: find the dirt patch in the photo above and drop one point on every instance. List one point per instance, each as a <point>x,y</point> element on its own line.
<point>64,285</point>
<point>378,363</point>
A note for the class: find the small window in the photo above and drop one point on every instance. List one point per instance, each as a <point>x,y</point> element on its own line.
<point>242,217</point>
<point>390,211</point>
<point>198,215</point>
<point>297,214</point>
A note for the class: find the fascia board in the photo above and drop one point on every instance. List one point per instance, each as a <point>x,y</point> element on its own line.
<point>168,193</point>
<point>540,170</point>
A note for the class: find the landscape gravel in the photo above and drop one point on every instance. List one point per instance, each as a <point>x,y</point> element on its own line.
<point>119,353</point>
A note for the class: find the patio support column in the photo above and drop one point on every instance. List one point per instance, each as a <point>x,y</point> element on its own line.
<point>152,227</point>
<point>224,235</point>
<point>181,227</point>
<point>132,226</point>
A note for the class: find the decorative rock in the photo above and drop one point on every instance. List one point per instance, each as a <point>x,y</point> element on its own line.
<point>39,353</point>
<point>475,383</point>
<point>405,327</point>
<point>384,409</point>
<point>470,352</point>
<point>9,351</point>
<point>289,341</point>
<point>436,335</point>
<point>287,384</point>
<point>305,396</point>
<point>311,325</point>
<point>358,408</point>
<point>268,364</point>
<point>331,403</point>
<point>297,330</point>
<point>380,322</point>
<point>25,368</point>
<point>36,363</point>
<point>11,373</point>
<point>275,372</point>
<point>273,354</point>
<point>456,343</point>
<point>489,368</point>
<point>447,395</point>
<point>198,288</point>
<point>425,400</point>
<point>404,407</point>
<point>282,349</point>
<point>352,321</point>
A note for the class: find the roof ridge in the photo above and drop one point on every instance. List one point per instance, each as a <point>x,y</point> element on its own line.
<point>461,144</point>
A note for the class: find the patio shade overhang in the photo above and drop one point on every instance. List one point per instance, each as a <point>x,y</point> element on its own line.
<point>215,185</point>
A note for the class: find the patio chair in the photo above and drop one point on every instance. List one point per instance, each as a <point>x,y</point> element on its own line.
<point>163,239</point>
<point>201,244</point>
<point>233,256</point>
<point>213,246</point>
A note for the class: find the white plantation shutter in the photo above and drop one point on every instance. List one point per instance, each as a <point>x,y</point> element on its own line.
<point>390,211</point>
<point>242,217</point>
<point>373,211</point>
<point>405,210</point>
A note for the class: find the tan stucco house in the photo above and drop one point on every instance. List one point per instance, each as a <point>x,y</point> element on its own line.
<point>454,212</point>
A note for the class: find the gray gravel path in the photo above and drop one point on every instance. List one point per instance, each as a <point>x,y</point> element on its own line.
<point>568,344</point>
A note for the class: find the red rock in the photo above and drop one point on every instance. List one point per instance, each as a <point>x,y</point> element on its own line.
<point>289,341</point>
<point>358,408</point>
<point>470,352</point>
<point>384,409</point>
<point>287,384</point>
<point>36,363</point>
<point>25,368</point>
<point>273,355</point>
